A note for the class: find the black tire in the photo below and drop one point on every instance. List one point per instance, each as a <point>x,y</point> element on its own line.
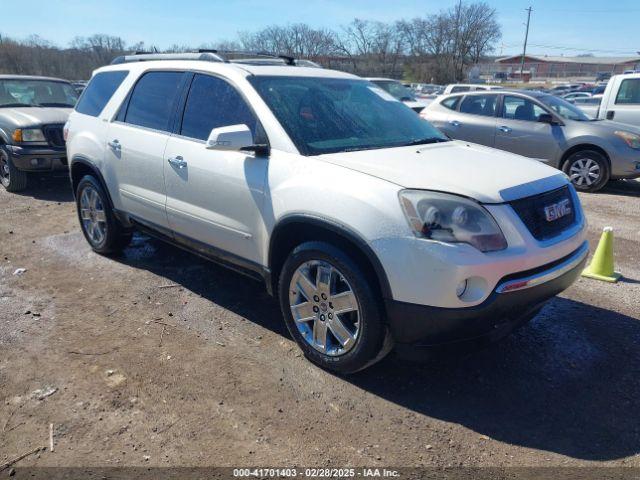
<point>114,237</point>
<point>369,342</point>
<point>582,158</point>
<point>12,179</point>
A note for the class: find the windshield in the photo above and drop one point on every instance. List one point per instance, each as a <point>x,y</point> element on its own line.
<point>329,115</point>
<point>564,108</point>
<point>396,89</point>
<point>37,93</point>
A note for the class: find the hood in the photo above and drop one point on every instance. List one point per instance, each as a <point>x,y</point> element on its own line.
<point>484,174</point>
<point>30,116</point>
<point>605,127</point>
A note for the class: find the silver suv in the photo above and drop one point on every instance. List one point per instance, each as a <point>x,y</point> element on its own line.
<point>33,111</point>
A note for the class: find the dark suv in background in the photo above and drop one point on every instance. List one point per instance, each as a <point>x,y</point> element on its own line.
<point>33,111</point>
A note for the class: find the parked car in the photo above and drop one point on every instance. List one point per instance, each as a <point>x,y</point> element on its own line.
<point>603,76</point>
<point>399,92</point>
<point>358,215</point>
<point>570,97</point>
<point>544,127</point>
<point>468,87</point>
<point>621,100</point>
<point>33,111</point>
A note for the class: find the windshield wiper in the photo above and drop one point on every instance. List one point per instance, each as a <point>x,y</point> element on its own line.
<point>425,141</point>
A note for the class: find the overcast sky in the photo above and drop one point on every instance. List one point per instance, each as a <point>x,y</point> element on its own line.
<point>558,27</point>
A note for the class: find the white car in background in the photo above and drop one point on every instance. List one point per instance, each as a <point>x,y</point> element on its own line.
<point>468,87</point>
<point>398,91</point>
<point>621,100</point>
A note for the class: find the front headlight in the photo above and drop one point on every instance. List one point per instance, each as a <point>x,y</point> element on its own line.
<point>451,219</point>
<point>630,139</point>
<point>31,135</point>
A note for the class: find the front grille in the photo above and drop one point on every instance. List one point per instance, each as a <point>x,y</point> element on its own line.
<point>53,134</point>
<point>531,211</point>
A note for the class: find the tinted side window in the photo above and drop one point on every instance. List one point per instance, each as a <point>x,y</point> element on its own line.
<point>99,91</point>
<point>484,105</point>
<point>518,108</point>
<point>213,103</point>
<point>460,89</point>
<point>153,99</point>
<point>451,103</point>
<point>629,93</point>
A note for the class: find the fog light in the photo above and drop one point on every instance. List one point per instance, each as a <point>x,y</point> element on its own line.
<point>461,288</point>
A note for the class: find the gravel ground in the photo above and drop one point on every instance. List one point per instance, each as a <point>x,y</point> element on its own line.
<point>158,358</point>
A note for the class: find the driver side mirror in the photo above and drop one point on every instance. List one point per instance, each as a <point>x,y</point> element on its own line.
<point>235,138</point>
<point>547,118</point>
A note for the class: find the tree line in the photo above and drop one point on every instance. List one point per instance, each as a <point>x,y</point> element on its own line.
<point>435,48</point>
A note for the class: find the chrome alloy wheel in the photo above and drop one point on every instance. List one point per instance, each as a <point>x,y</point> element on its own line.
<point>5,174</point>
<point>324,308</point>
<point>584,171</point>
<point>94,219</point>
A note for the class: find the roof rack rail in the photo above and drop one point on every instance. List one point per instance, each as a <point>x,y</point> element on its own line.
<point>146,56</point>
<point>214,55</point>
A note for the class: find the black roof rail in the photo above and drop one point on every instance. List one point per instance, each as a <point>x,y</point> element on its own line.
<point>145,56</point>
<point>215,55</point>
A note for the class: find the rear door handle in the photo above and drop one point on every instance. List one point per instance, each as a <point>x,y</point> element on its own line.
<point>505,129</point>
<point>454,123</point>
<point>115,145</point>
<point>177,162</point>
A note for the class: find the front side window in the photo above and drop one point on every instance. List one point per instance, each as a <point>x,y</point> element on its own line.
<point>214,103</point>
<point>37,93</point>
<point>153,99</point>
<point>629,93</point>
<point>329,115</point>
<point>519,108</point>
<point>99,91</point>
<point>484,105</point>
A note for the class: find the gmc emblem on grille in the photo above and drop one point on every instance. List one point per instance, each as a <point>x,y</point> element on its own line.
<point>557,210</point>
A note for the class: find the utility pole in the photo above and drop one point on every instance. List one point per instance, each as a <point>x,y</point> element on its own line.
<point>524,50</point>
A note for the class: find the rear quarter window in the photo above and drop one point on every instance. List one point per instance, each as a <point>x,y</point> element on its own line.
<point>99,91</point>
<point>451,103</point>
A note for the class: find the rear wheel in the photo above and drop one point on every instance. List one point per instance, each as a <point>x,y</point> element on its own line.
<point>99,225</point>
<point>12,179</point>
<point>588,170</point>
<point>330,308</point>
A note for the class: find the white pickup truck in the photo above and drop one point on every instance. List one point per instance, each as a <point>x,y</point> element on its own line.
<point>620,100</point>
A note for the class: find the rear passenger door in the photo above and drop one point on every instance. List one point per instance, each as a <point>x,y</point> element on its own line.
<point>136,142</point>
<point>215,197</point>
<point>475,120</point>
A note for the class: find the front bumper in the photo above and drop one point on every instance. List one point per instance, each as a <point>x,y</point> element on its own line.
<point>516,299</point>
<point>625,163</point>
<point>38,158</point>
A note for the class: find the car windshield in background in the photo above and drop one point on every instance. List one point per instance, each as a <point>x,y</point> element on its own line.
<point>37,93</point>
<point>564,108</point>
<point>396,89</point>
<point>329,115</point>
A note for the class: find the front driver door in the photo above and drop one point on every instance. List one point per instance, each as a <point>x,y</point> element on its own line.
<point>519,131</point>
<point>214,197</point>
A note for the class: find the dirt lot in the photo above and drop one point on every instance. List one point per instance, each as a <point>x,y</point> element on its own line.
<point>158,358</point>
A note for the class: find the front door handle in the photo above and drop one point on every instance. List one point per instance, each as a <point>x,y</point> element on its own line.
<point>454,123</point>
<point>177,162</point>
<point>505,129</point>
<point>611,114</point>
<point>115,145</point>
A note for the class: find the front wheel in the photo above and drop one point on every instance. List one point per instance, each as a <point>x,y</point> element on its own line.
<point>588,170</point>
<point>330,308</point>
<point>12,179</point>
<point>99,225</point>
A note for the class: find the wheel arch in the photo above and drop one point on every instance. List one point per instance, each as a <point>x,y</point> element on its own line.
<point>580,147</point>
<point>81,166</point>
<point>295,229</point>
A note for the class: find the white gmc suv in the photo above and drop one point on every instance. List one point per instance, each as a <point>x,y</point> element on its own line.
<point>370,227</point>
